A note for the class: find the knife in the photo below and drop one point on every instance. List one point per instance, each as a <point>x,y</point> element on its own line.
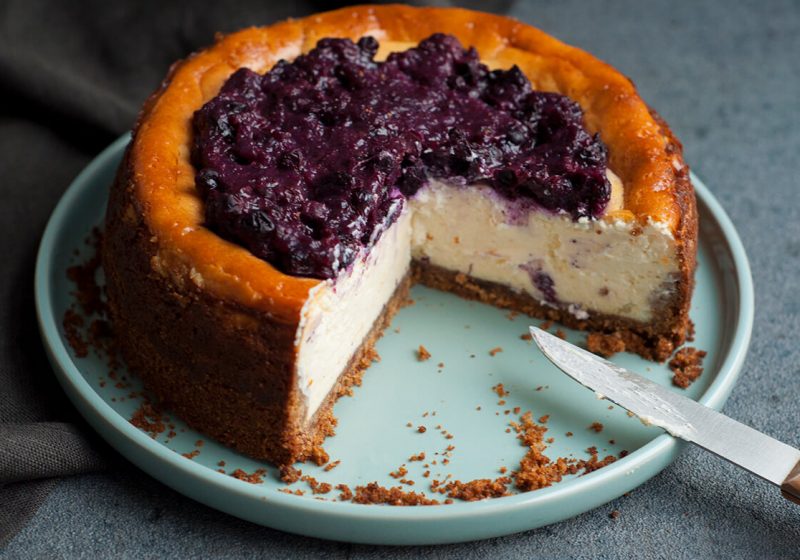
<point>682,417</point>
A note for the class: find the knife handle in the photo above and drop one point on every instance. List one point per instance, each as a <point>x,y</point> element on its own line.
<point>791,486</point>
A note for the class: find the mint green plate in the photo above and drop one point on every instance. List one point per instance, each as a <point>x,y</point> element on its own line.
<point>373,438</point>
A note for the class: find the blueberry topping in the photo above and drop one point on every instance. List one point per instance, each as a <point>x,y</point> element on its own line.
<point>307,164</point>
<point>543,281</point>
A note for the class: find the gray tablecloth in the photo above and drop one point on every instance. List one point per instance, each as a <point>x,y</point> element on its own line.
<point>726,77</point>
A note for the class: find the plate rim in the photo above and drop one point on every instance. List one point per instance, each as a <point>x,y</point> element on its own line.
<point>106,420</point>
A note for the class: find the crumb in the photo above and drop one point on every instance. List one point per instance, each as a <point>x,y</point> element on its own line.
<point>191,454</point>
<point>614,514</point>
<point>594,462</point>
<point>605,345</point>
<point>690,332</point>
<point>569,434</point>
<point>440,365</point>
<point>474,490</point>
<point>477,408</point>
<point>73,327</point>
<point>526,336</point>
<point>290,474</point>
<point>544,419</point>
<point>536,470</point>
<point>500,390</point>
<point>255,477</point>
<point>596,426</point>
<point>373,493</point>
<point>561,334</point>
<point>148,419</point>
<point>687,365</point>
<point>221,464</point>
<point>422,429</point>
<point>422,353</point>
<point>199,443</point>
<point>316,486</point>
<point>494,351</point>
<point>88,303</point>
<point>330,466</point>
<point>546,325</point>
<point>503,470</point>
<point>418,457</point>
<point>409,424</point>
<point>346,494</point>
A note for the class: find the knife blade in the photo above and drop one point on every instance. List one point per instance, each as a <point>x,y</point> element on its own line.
<point>680,416</point>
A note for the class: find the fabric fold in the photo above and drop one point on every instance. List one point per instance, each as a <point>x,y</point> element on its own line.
<point>38,450</point>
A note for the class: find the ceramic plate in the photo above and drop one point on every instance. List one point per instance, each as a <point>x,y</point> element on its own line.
<point>374,437</point>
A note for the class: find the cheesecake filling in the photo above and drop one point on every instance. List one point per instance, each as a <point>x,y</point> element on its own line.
<point>307,164</point>
<point>603,266</point>
<point>340,313</point>
<point>607,266</point>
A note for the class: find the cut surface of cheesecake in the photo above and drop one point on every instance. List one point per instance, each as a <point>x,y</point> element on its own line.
<point>256,357</point>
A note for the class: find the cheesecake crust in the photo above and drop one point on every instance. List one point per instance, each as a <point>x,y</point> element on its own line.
<point>181,297</point>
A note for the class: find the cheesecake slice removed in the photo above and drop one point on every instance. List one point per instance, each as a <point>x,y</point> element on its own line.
<point>285,187</point>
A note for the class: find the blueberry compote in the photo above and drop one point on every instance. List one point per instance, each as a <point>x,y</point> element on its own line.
<point>308,163</point>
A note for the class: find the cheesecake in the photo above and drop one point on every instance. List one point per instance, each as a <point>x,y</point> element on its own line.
<point>285,187</point>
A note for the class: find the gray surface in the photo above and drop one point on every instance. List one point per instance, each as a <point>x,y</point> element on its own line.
<point>726,79</point>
